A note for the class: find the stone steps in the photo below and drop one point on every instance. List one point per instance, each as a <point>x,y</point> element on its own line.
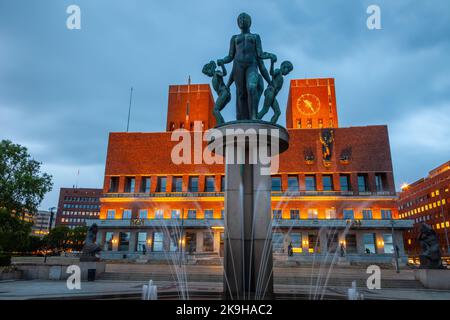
<point>294,280</point>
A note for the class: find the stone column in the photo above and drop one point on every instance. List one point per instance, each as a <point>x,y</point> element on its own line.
<point>248,266</point>
<point>199,241</point>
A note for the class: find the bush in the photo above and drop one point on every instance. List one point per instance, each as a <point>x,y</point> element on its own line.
<point>5,260</point>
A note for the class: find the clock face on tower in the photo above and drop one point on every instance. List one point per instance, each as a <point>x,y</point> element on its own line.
<point>308,104</point>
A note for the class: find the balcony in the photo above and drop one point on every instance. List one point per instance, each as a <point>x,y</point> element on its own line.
<point>341,223</point>
<point>277,223</point>
<point>288,194</point>
<point>158,223</point>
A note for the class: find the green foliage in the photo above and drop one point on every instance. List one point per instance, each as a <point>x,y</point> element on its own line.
<point>63,238</point>
<point>5,260</point>
<point>58,238</point>
<point>14,233</point>
<point>22,185</point>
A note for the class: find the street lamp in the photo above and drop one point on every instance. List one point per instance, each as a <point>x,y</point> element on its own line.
<point>49,229</point>
<point>397,267</point>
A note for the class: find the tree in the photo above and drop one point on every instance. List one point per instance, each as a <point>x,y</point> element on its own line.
<point>14,233</point>
<point>77,237</point>
<point>22,185</point>
<point>58,238</point>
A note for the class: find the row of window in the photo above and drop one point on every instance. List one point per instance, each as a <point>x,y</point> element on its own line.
<point>81,199</point>
<point>81,206</point>
<point>159,241</point>
<point>79,213</point>
<point>308,123</point>
<point>423,208</point>
<point>210,183</point>
<point>348,214</point>
<point>159,214</point>
<point>349,245</point>
<point>73,220</point>
<point>419,200</point>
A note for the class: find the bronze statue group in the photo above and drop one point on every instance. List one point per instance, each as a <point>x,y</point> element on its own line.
<point>248,58</point>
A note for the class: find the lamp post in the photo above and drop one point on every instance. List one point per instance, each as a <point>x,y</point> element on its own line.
<point>397,267</point>
<point>49,229</point>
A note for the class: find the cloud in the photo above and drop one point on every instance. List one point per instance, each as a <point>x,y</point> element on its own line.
<point>62,91</point>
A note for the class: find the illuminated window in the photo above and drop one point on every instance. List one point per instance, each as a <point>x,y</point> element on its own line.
<point>295,214</point>
<point>159,214</point>
<point>126,214</point>
<point>367,214</point>
<point>108,245</point>
<point>209,214</point>
<point>386,214</point>
<point>141,241</point>
<point>330,213</point>
<point>369,243</point>
<point>312,213</point>
<point>348,214</point>
<point>296,241</point>
<point>158,241</point>
<point>192,214</point>
<point>175,214</point>
<point>388,243</point>
<point>143,214</point>
<point>110,214</point>
<point>277,214</point>
<point>299,124</point>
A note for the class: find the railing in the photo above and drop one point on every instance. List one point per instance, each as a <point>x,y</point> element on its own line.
<point>309,223</point>
<point>274,193</point>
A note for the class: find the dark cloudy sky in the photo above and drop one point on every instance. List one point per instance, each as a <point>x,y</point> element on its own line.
<point>62,91</point>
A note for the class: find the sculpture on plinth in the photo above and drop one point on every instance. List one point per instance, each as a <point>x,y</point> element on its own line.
<point>430,258</point>
<point>90,248</point>
<point>248,57</point>
<point>248,146</point>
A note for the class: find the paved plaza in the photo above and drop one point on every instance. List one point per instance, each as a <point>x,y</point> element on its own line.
<point>124,281</point>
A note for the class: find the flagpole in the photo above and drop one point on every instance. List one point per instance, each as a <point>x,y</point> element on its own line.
<point>129,108</point>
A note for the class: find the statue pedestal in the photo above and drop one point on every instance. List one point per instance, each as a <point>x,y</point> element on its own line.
<point>248,265</point>
<point>99,268</point>
<point>433,278</point>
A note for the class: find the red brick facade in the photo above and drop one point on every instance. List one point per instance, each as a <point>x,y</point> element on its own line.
<point>427,201</point>
<point>355,183</point>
